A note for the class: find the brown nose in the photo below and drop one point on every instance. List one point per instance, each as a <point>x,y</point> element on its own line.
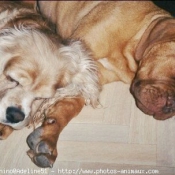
<point>170,105</point>
<point>14,115</point>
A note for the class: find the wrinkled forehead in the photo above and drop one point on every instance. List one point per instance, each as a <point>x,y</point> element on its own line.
<point>162,53</point>
<point>167,83</point>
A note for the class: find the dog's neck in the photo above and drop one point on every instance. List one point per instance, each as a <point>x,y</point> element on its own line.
<point>79,74</point>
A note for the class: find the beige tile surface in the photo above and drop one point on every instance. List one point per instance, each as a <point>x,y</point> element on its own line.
<point>107,152</point>
<point>115,101</point>
<point>95,133</point>
<point>166,142</point>
<point>142,127</point>
<point>117,135</point>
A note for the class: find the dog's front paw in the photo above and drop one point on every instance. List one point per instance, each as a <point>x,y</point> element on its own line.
<point>5,131</point>
<point>43,140</point>
<point>42,143</point>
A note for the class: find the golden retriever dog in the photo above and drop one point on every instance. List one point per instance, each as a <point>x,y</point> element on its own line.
<point>34,64</point>
<point>133,42</point>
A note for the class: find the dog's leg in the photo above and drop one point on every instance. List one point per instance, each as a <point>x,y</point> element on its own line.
<point>5,131</point>
<point>43,140</point>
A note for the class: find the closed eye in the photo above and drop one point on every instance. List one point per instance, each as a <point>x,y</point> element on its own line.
<point>38,98</point>
<point>11,79</point>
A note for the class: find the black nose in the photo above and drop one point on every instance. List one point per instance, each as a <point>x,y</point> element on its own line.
<point>14,115</point>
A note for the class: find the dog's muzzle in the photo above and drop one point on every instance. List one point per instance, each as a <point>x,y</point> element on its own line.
<point>14,115</point>
<point>155,97</point>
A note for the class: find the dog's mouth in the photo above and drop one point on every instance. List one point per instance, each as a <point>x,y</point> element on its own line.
<point>155,98</point>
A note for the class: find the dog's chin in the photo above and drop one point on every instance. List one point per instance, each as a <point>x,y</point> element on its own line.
<point>17,126</point>
<point>158,114</point>
<point>155,99</point>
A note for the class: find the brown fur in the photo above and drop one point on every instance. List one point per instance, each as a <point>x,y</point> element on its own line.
<point>5,131</point>
<point>135,43</point>
<point>60,115</point>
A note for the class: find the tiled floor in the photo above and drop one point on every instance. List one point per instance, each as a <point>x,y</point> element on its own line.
<point>113,139</point>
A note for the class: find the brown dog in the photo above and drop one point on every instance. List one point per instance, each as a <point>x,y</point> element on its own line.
<point>127,40</point>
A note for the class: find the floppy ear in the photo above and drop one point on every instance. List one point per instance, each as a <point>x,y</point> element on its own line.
<point>159,31</point>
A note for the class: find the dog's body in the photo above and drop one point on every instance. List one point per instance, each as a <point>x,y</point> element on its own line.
<point>127,40</point>
<point>111,30</point>
<point>124,38</point>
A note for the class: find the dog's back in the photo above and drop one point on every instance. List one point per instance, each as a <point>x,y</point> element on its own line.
<point>110,29</point>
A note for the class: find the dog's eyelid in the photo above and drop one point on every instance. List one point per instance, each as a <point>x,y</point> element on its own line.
<point>38,98</point>
<point>11,79</point>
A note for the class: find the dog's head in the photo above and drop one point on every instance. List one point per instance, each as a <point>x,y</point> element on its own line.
<point>154,84</point>
<point>29,64</point>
